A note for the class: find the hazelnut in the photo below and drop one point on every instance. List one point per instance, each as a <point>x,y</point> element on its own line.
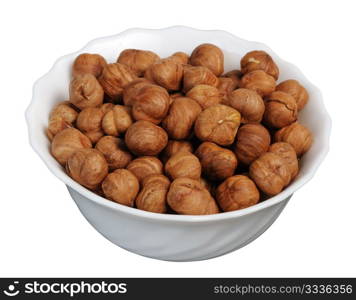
<point>88,167</point>
<point>205,95</point>
<point>217,163</point>
<point>152,196</point>
<point>252,141</point>
<point>183,164</point>
<point>208,185</point>
<point>259,60</point>
<point>198,75</point>
<point>114,78</point>
<point>167,73</point>
<point>297,135</point>
<point>121,186</point>
<point>180,57</point>
<point>62,116</point>
<point>145,166</point>
<point>175,146</point>
<point>85,91</point>
<point>218,124</point>
<point>248,103</point>
<point>210,56</point>
<point>89,123</point>
<point>114,151</point>
<point>132,88</point>
<point>181,117</point>
<point>236,76</point>
<point>138,60</point>
<point>151,103</point>
<point>66,142</point>
<point>94,136</point>
<point>287,152</point>
<point>237,192</point>
<point>270,173</point>
<point>225,87</point>
<point>259,81</point>
<point>295,89</point>
<point>87,63</point>
<point>146,138</point>
<point>117,120</point>
<point>189,197</point>
<point>281,110</point>
<point>106,107</point>
<point>175,95</point>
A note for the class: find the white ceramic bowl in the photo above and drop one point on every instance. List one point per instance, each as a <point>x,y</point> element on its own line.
<point>174,237</point>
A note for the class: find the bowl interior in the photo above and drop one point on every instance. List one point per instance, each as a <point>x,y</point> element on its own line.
<point>53,87</point>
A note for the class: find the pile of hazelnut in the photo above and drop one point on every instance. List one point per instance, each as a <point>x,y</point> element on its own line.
<point>176,134</point>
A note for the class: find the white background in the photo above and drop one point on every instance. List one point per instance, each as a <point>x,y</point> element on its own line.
<point>42,233</point>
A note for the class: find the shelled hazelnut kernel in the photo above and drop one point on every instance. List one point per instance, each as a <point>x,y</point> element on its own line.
<point>183,164</point>
<point>218,124</point>
<point>137,60</point>
<point>217,163</point>
<point>87,63</point>
<point>163,134</point>
<point>237,192</point>
<point>295,89</point>
<point>145,138</point>
<point>297,135</point>
<point>145,166</point>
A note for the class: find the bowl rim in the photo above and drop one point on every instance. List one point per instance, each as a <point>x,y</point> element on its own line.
<point>29,115</point>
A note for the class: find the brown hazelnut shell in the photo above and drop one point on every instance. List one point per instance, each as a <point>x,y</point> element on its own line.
<point>62,116</point>
<point>151,103</point>
<point>198,75</point>
<point>183,164</point>
<point>85,91</point>
<point>145,166</point>
<point>114,78</point>
<point>152,196</point>
<point>114,151</point>
<point>87,167</point>
<point>295,89</point>
<point>281,110</point>
<point>259,60</point>
<point>66,142</point>
<point>259,81</point>
<point>237,192</point>
<point>189,197</point>
<point>180,57</point>
<point>117,120</point>
<point>297,135</point>
<point>249,103</point>
<point>226,87</point>
<point>137,60</point>
<point>107,107</point>
<point>175,146</point>
<point>181,117</point>
<point>217,124</point>
<point>287,152</point>
<point>145,138</point>
<point>89,122</point>
<point>236,76</point>
<point>121,186</point>
<point>132,88</point>
<point>210,56</point>
<point>270,173</point>
<point>87,63</point>
<point>252,141</point>
<point>167,73</point>
<point>217,163</point>
<point>205,95</point>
